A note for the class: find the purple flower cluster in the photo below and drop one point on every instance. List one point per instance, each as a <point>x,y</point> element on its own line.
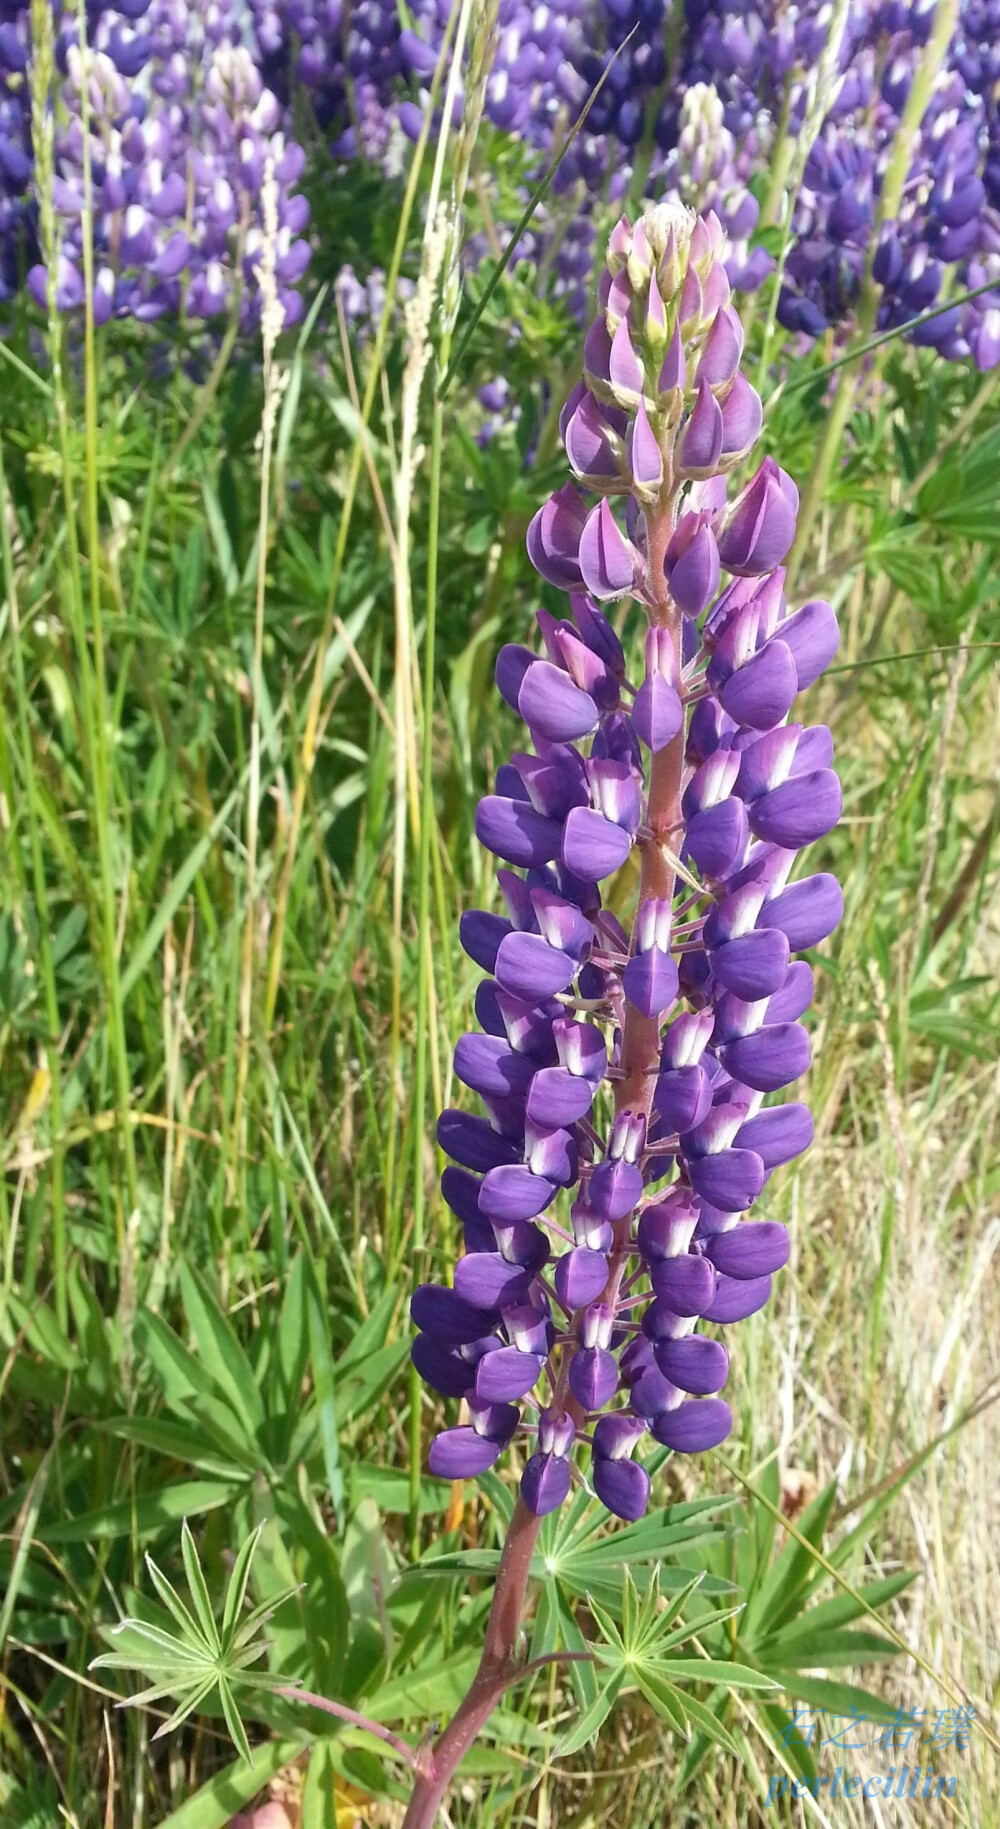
<point>700,125</point>
<point>627,1066</point>
<point>184,140</point>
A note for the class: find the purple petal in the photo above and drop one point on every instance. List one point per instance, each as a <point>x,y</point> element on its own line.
<point>761,693</point>
<point>561,923</point>
<point>644,454</point>
<point>487,1281</point>
<point>657,713</point>
<point>736,1300</point>
<point>512,664</point>
<point>701,444</point>
<point>445,1316</point>
<point>554,539</point>
<point>692,564</point>
<point>624,366</point>
<point>512,1193</point>
<point>761,524</point>
<point>593,1377</point>
<point>472,1142</point>
<point>614,1189</point>
<point>720,357</point>
<point>731,1179</point>
<point>580,1277</point>
<point>813,637</point>
<point>607,562</point>
<point>554,782</point>
<point>650,981</point>
<point>799,811</point>
<point>488,1011</point>
<point>795,995</point>
<point>589,447</point>
<point>507,1374</point>
<point>717,837</point>
<point>553,707</point>
<point>622,1486</point>
<point>754,965</point>
<point>694,1427</point>
<point>651,1393</point>
<point>554,1154</point>
<point>776,1136</point>
<point>682,1097</point>
<point>545,1483</point>
<point>696,1363</point>
<point>558,1098</point>
<point>686,1283</point>
<point>514,831</point>
<point>771,1057</point>
<point>529,968</point>
<point>593,847</point>
<point>808,911</point>
<point>459,1454</point>
<point>582,1048</point>
<point>480,934</point>
<point>445,1372</point>
<point>742,416</point>
<point>753,1249</point>
<point>489,1066</point>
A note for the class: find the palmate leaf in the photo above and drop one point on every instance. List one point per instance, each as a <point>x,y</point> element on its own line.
<point>236,1590</point>
<point>671,1703</point>
<point>587,1724</point>
<point>237,1731</point>
<point>206,1657</point>
<point>168,1594</point>
<point>200,1595</point>
<point>841,1610</point>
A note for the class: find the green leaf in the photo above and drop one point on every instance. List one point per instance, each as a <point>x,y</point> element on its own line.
<point>175,1607</point>
<point>175,1440</point>
<point>679,1706</point>
<point>200,1596</point>
<point>181,1375</point>
<point>238,1583</point>
<point>836,1698</point>
<point>840,1611</point>
<point>219,1350</point>
<point>391,1491</point>
<point>147,1514</point>
<point>717,1670</point>
<point>587,1724</point>
<point>825,1650</point>
<point>237,1731</point>
<point>661,1697</point>
<point>324,1384</point>
<point>776,1598</point>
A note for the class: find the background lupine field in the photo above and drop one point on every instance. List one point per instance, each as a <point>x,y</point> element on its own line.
<point>291,300</point>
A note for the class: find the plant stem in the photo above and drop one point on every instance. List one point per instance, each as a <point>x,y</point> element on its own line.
<point>436,1765</point>
<point>309,1699</point>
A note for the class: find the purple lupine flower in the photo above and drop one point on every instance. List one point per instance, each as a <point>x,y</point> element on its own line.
<point>635,1021</point>
<point>184,139</point>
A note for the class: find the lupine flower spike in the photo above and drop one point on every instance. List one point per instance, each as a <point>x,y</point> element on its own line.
<point>642,1002</point>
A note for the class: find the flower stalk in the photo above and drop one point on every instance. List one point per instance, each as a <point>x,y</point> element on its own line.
<point>631,1063</point>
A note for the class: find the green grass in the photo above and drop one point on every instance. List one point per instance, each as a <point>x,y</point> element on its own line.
<point>241,746</point>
